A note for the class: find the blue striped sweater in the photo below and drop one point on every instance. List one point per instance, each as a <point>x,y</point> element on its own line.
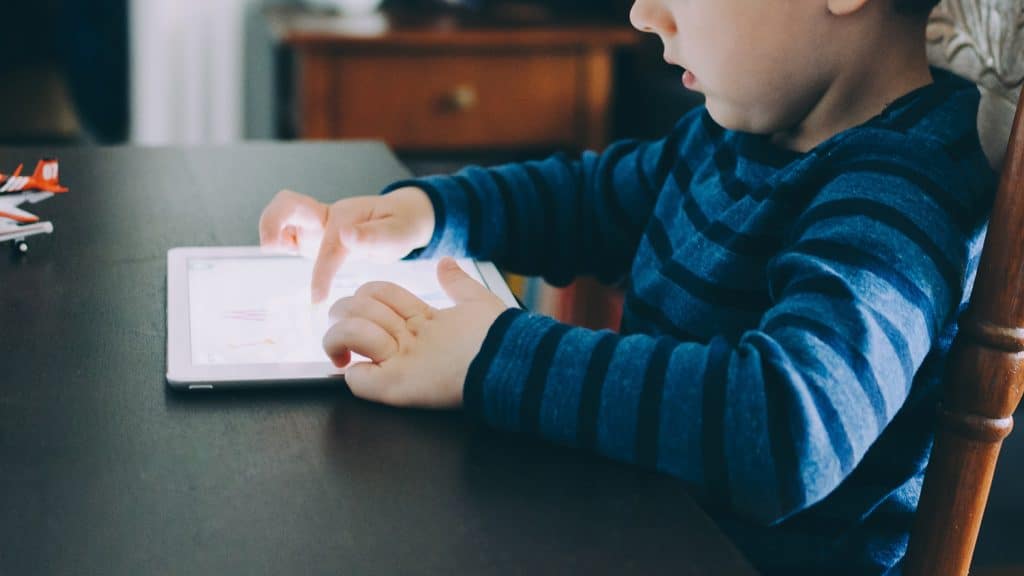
<point>786,321</point>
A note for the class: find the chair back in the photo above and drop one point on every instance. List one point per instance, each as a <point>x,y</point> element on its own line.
<point>982,40</point>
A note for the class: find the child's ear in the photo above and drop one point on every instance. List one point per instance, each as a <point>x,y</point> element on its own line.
<point>845,7</point>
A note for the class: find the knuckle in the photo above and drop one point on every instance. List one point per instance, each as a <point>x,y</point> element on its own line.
<point>340,309</point>
<point>268,216</point>
<point>372,289</point>
<point>415,325</point>
<point>337,336</point>
<point>330,341</point>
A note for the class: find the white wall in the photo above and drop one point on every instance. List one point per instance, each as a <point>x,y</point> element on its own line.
<point>188,70</point>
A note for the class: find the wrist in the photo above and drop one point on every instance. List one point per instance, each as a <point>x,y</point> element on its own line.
<point>444,238</point>
<point>424,217</point>
<point>476,374</point>
<point>416,204</point>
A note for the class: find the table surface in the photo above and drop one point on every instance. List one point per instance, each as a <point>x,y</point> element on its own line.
<point>105,470</point>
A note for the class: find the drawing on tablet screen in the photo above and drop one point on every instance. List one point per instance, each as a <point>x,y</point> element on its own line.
<point>254,315</point>
<point>258,310</point>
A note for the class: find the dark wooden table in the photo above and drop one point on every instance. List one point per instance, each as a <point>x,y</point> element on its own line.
<point>104,470</point>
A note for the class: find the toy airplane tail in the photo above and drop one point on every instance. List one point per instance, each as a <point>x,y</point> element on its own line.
<point>47,172</point>
<point>46,178</point>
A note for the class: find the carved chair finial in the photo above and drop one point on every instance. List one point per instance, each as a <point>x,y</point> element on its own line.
<point>983,40</point>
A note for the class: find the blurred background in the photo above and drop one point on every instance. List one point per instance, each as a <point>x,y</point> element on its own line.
<point>200,71</point>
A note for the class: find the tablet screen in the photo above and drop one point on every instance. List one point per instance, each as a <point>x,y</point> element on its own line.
<point>258,310</point>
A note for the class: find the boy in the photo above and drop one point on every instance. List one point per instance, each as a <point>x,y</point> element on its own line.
<point>796,255</point>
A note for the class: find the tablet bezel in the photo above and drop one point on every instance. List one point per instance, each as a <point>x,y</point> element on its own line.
<point>183,374</point>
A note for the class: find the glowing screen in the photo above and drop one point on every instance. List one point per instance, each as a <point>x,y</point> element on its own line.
<point>258,310</point>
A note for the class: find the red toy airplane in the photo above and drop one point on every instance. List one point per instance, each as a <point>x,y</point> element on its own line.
<point>16,224</point>
<point>44,179</point>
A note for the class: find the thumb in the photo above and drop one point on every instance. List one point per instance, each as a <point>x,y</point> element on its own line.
<point>373,382</point>
<point>458,285</point>
<point>363,380</point>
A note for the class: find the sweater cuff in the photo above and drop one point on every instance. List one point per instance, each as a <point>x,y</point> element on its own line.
<point>451,216</point>
<point>494,383</point>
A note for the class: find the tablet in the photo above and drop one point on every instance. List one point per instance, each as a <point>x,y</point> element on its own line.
<point>241,316</point>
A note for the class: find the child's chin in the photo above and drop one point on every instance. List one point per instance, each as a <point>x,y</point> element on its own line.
<point>731,117</point>
<point>724,115</point>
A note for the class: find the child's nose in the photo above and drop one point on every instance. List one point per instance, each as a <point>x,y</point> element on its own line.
<point>651,16</point>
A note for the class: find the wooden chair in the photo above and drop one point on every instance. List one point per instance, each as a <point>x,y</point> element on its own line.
<point>982,40</point>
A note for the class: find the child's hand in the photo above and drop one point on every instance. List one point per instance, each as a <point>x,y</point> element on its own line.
<point>382,228</point>
<point>419,356</point>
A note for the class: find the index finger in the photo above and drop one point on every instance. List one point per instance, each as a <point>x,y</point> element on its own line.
<point>289,209</point>
<point>360,336</point>
<point>328,261</point>
<point>405,303</point>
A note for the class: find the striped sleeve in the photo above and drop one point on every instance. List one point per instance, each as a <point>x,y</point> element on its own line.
<point>557,218</point>
<point>770,422</point>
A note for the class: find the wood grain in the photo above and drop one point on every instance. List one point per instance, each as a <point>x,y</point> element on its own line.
<point>410,100</point>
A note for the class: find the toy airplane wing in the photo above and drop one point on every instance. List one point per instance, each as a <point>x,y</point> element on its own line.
<point>9,206</point>
<point>11,231</point>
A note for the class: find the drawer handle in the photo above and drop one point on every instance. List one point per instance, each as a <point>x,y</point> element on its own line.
<point>462,97</point>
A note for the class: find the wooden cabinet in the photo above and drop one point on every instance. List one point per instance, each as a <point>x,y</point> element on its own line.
<point>451,101</point>
<point>446,83</point>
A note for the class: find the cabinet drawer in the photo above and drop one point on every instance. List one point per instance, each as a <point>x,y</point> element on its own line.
<point>452,100</point>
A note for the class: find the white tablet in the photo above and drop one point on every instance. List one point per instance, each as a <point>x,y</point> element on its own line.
<point>242,316</point>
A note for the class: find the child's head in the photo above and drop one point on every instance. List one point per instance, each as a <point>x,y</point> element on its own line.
<point>766,66</point>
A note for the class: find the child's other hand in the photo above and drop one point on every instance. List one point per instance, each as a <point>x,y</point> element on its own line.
<point>419,356</point>
<point>382,228</point>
